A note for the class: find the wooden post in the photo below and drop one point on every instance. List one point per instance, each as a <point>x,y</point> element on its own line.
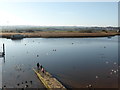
<point>3,49</point>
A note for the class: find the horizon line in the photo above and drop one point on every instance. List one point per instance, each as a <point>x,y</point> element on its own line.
<point>61,25</point>
<point>60,1</point>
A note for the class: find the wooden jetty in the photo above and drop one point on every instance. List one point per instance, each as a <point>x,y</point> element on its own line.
<point>48,80</point>
<point>2,54</point>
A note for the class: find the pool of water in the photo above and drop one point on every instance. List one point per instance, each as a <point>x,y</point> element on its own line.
<point>76,62</point>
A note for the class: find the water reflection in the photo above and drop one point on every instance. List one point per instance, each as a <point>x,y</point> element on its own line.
<point>4,59</point>
<point>76,62</point>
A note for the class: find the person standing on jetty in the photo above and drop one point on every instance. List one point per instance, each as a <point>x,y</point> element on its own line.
<point>39,66</point>
<point>42,69</point>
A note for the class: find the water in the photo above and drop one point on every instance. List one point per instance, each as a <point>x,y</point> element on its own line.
<point>76,62</point>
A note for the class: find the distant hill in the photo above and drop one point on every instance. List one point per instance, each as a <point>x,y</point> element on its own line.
<point>52,28</point>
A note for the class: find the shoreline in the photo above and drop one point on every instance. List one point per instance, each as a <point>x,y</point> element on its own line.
<point>59,34</point>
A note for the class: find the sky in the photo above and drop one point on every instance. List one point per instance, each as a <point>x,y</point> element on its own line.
<point>59,13</point>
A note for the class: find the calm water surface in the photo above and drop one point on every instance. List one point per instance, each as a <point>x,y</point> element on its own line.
<point>77,62</point>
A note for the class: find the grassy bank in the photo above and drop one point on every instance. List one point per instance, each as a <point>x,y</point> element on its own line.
<point>59,34</point>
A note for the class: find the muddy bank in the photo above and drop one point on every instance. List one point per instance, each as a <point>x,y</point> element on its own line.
<point>59,34</point>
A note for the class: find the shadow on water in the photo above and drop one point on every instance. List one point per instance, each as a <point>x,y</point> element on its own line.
<point>17,40</point>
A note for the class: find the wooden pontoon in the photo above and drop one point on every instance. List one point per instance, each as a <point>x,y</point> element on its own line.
<point>2,54</point>
<point>48,80</point>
